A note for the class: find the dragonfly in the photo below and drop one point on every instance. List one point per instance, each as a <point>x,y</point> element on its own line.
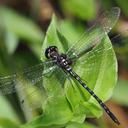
<point>64,61</point>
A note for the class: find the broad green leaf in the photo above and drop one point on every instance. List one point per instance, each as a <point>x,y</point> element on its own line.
<point>75,33</point>
<point>72,31</point>
<point>120,93</point>
<point>84,9</point>
<point>56,110</point>
<point>98,69</point>
<point>56,113</point>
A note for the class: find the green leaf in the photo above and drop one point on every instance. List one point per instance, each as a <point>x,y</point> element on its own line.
<point>56,109</point>
<point>72,31</point>
<point>120,93</point>
<point>56,113</point>
<point>84,9</point>
<point>98,69</point>
<point>66,100</point>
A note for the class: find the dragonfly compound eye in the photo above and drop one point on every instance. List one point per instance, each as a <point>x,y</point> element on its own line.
<point>49,50</point>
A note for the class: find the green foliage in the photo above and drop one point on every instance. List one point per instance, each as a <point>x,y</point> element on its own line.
<point>5,123</point>
<point>18,27</point>
<point>84,9</point>
<point>75,30</point>
<point>8,117</point>
<point>67,101</point>
<point>6,110</point>
<point>13,28</point>
<point>73,103</point>
<point>78,125</point>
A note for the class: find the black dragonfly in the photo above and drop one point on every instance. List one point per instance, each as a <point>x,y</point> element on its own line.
<point>64,61</point>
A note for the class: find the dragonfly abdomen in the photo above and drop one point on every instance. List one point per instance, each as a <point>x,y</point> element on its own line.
<point>74,75</point>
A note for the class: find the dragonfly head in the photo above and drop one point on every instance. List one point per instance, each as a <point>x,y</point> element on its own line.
<point>50,51</point>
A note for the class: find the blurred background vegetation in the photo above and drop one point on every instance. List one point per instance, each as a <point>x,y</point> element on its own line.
<point>23,24</point>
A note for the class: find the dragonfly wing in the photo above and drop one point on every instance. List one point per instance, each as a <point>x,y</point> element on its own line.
<point>94,35</point>
<point>51,90</point>
<point>31,75</point>
<point>93,67</point>
<point>7,85</point>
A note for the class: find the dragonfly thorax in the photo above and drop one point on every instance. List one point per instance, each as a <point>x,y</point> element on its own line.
<point>63,61</point>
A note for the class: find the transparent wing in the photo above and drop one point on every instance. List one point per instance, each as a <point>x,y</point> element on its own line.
<point>93,36</point>
<point>31,75</point>
<point>52,90</point>
<point>95,62</point>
